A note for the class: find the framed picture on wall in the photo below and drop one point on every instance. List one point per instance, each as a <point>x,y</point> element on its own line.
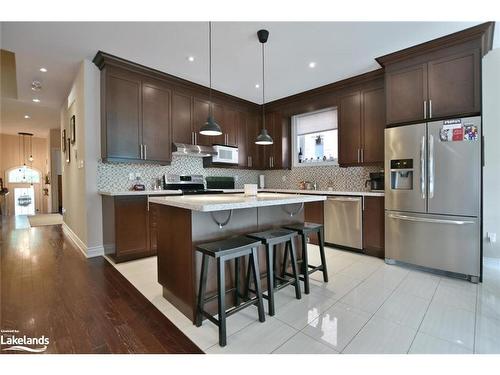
<point>72,129</point>
<point>68,150</point>
<point>63,140</point>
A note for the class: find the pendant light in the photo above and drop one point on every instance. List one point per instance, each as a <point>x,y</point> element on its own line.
<point>263,138</point>
<point>210,128</point>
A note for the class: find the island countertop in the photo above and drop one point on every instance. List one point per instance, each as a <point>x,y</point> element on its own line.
<point>222,202</point>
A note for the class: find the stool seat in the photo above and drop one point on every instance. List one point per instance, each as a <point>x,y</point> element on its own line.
<point>227,246</point>
<point>273,236</point>
<point>304,228</point>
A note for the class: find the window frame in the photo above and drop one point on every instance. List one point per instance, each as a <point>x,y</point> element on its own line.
<point>295,161</point>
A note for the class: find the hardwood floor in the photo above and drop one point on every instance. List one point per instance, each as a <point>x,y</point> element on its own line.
<point>82,305</point>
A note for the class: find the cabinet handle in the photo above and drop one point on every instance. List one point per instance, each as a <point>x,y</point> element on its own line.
<point>192,138</point>
<point>425,108</point>
<point>195,138</point>
<point>430,108</point>
<point>145,152</point>
<point>362,155</point>
<point>141,152</point>
<point>359,158</point>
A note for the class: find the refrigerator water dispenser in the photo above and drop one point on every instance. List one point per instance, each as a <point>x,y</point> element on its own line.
<point>402,174</point>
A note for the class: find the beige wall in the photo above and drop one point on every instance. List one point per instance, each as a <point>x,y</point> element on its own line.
<point>491,171</point>
<point>81,203</point>
<point>53,150</point>
<point>10,157</point>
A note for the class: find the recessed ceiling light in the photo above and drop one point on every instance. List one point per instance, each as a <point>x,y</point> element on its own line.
<point>190,58</point>
<point>312,64</point>
<point>43,70</point>
<point>27,116</point>
<point>36,100</point>
<point>257,85</point>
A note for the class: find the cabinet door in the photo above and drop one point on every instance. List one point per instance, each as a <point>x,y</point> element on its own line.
<point>123,116</point>
<point>156,129</point>
<point>199,117</point>
<point>181,119</point>
<point>373,125</point>
<point>131,227</point>
<point>373,226</point>
<point>153,227</point>
<point>406,92</point>
<point>268,151</point>
<point>231,124</point>
<point>350,129</point>
<point>243,160</point>
<point>254,152</point>
<point>454,85</point>
<point>314,213</point>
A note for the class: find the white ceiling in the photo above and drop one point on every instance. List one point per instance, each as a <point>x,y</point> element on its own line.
<point>340,50</point>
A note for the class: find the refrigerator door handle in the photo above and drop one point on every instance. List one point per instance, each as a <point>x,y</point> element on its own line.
<point>431,166</point>
<point>432,221</point>
<point>422,168</point>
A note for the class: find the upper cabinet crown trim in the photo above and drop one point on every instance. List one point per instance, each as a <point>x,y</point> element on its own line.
<point>484,32</point>
<point>103,59</point>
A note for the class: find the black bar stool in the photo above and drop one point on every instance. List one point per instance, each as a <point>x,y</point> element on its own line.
<point>223,251</point>
<point>304,229</point>
<point>270,239</point>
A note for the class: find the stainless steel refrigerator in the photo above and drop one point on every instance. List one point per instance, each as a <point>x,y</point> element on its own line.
<point>433,195</point>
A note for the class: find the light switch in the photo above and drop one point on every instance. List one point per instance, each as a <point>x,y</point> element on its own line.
<point>131,176</point>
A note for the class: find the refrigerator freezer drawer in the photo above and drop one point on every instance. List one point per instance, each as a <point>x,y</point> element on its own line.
<point>447,243</point>
<point>343,221</point>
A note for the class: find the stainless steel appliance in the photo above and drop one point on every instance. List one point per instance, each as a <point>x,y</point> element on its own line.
<point>187,184</point>
<point>343,221</point>
<point>376,181</point>
<point>433,195</point>
<point>183,149</point>
<point>225,154</point>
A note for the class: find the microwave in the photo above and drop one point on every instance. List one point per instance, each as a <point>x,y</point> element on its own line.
<point>225,154</point>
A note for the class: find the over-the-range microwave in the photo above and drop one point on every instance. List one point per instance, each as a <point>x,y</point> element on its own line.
<point>225,154</point>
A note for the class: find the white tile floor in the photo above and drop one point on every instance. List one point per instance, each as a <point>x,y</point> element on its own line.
<point>366,307</point>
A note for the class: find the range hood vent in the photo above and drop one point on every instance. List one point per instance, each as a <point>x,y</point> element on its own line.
<point>183,149</point>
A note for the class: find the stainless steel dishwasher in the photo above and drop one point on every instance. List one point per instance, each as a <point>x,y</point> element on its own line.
<point>343,221</point>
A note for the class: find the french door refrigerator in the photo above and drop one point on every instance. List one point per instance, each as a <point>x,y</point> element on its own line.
<point>433,195</point>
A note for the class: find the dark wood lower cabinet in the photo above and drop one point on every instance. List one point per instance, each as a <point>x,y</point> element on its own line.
<point>313,213</point>
<point>373,226</point>
<point>129,227</point>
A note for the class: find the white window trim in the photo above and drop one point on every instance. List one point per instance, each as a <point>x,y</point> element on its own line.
<point>295,161</point>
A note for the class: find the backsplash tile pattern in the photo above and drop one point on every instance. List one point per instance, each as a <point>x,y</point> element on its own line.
<point>115,176</point>
<point>340,179</point>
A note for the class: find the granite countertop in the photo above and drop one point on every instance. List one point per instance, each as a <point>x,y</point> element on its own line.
<point>143,192</point>
<point>312,192</point>
<point>222,202</point>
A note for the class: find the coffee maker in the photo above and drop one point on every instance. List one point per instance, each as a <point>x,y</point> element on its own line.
<point>376,181</point>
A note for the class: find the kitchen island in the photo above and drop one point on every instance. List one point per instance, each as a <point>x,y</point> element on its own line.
<point>188,220</point>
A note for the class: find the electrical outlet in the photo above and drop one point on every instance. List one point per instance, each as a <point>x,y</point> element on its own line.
<point>137,175</point>
<point>236,177</point>
<point>131,176</point>
<point>492,237</point>
<point>283,178</point>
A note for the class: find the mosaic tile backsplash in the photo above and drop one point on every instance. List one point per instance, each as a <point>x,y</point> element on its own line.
<point>115,176</point>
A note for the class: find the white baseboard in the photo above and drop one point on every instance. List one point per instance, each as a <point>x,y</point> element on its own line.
<point>88,252</point>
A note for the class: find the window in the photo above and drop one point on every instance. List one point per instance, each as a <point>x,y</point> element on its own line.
<point>315,135</point>
<point>24,175</point>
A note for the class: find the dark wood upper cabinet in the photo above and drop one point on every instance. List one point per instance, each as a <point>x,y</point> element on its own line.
<point>373,226</point>
<point>156,127</point>
<point>231,127</point>
<point>406,94</point>
<point>182,131</point>
<point>255,153</point>
<point>201,109</point>
<point>121,137</point>
<point>454,84</point>
<point>350,129</point>
<point>437,79</point>
<point>373,125</point>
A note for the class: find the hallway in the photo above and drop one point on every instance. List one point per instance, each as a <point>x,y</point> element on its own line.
<point>82,305</point>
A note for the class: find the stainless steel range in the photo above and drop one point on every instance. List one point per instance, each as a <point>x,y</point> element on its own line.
<point>433,195</point>
<point>188,184</point>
